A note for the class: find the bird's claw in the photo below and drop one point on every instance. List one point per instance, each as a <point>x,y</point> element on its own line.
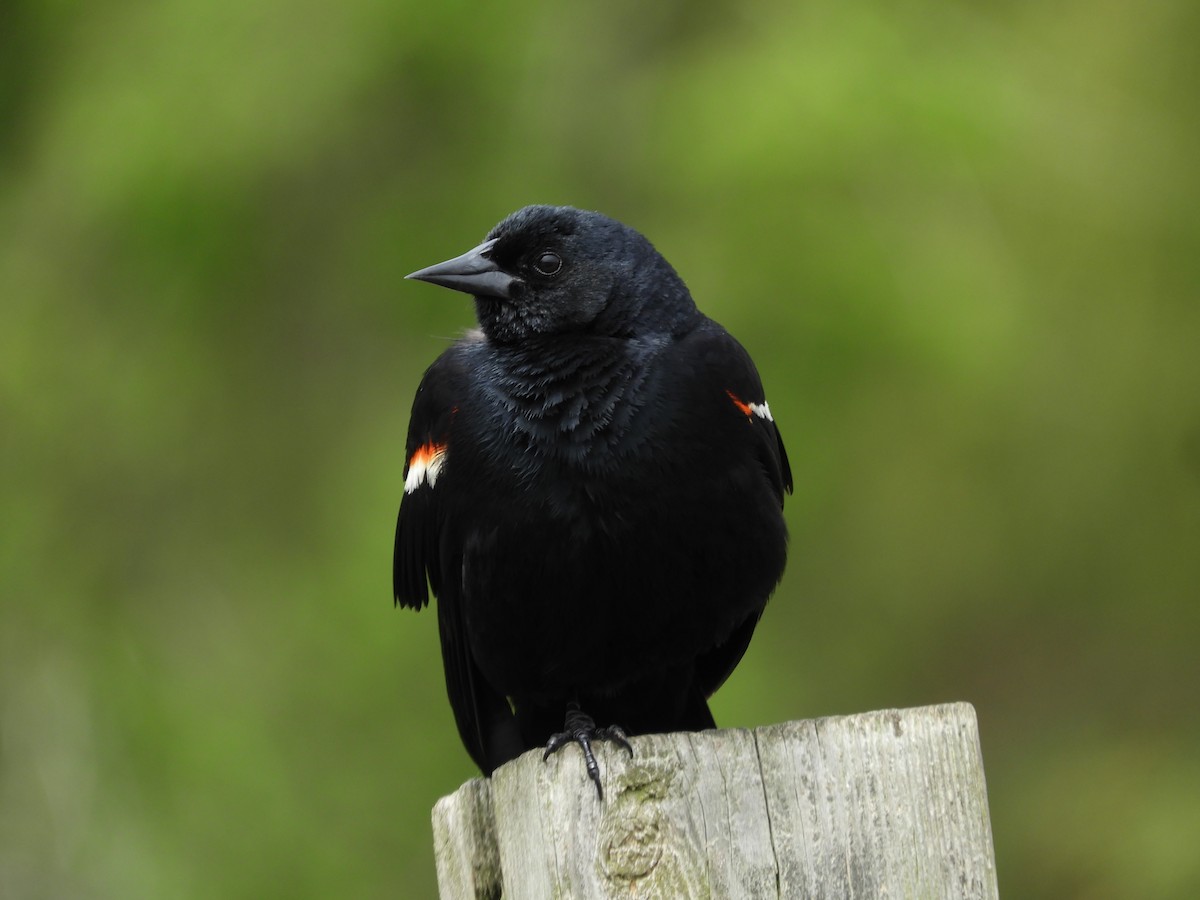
<point>581,729</point>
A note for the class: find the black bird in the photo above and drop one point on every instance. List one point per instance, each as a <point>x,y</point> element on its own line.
<point>593,490</point>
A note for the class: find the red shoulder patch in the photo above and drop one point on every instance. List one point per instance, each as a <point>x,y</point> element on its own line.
<point>425,466</point>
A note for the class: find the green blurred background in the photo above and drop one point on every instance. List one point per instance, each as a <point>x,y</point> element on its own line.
<point>960,242</point>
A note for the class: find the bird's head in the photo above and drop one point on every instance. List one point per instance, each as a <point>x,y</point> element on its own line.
<point>550,270</point>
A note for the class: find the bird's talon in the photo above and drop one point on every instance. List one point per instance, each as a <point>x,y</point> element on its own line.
<point>582,730</point>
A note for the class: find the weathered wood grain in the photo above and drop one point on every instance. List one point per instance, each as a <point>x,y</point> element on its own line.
<point>883,804</point>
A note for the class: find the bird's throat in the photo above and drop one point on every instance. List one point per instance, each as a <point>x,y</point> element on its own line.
<point>570,392</point>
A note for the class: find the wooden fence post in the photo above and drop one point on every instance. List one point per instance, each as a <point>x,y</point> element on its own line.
<point>883,804</point>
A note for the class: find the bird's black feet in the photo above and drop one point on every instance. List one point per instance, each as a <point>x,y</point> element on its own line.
<point>581,729</point>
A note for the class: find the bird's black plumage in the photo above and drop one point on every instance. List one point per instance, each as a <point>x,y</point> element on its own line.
<point>593,490</point>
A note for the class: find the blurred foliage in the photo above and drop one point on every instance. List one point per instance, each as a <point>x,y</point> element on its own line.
<point>962,244</point>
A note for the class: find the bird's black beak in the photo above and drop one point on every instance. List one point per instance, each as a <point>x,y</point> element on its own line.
<point>472,273</point>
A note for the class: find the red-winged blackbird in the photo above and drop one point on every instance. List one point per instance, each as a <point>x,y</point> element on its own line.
<point>594,491</point>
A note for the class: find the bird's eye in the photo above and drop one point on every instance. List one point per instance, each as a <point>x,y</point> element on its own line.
<point>548,263</point>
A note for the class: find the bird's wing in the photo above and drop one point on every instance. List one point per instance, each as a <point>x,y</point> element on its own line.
<point>429,554</point>
<point>727,394</point>
<point>416,562</point>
